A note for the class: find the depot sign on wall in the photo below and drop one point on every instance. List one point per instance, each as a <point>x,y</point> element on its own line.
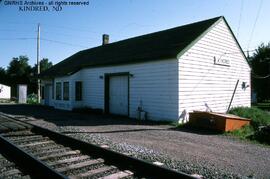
<point>222,61</point>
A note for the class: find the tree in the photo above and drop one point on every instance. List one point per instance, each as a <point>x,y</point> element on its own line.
<point>260,64</point>
<point>18,72</point>
<point>44,65</point>
<point>3,76</point>
<point>19,67</point>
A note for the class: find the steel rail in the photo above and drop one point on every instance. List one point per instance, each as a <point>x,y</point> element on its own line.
<point>28,162</point>
<point>139,167</point>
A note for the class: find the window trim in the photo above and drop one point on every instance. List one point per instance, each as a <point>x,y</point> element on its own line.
<point>42,92</point>
<point>66,98</point>
<point>58,96</point>
<point>78,97</point>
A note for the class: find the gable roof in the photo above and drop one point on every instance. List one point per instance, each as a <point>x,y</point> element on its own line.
<point>150,47</point>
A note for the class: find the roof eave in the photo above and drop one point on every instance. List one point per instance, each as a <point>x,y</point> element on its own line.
<point>238,44</point>
<point>198,38</point>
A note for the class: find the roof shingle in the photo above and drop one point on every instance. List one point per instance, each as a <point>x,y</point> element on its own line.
<point>150,47</point>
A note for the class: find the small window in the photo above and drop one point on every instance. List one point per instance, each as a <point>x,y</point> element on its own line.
<point>66,90</point>
<point>78,90</point>
<point>52,91</point>
<point>42,92</point>
<point>58,91</point>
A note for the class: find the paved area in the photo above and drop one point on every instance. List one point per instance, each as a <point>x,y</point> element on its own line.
<point>195,148</point>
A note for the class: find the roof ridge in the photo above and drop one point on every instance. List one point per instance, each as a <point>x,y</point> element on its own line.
<point>158,45</point>
<point>152,33</point>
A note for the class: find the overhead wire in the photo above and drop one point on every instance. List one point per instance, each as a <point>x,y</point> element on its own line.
<point>72,28</point>
<point>18,38</point>
<point>240,18</point>
<point>60,42</point>
<point>69,35</point>
<point>255,23</point>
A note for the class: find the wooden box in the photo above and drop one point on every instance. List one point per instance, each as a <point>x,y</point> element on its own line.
<point>217,121</point>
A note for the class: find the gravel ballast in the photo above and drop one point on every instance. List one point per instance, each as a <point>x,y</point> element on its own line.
<point>193,152</point>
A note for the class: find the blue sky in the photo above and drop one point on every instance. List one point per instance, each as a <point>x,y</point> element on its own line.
<point>76,28</point>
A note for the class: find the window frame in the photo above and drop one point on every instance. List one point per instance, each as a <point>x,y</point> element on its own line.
<point>66,91</point>
<point>78,90</point>
<point>42,92</point>
<point>58,96</point>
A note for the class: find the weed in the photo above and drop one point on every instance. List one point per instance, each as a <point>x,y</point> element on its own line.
<point>258,118</point>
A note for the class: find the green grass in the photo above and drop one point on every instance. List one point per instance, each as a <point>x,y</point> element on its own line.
<point>244,133</point>
<point>263,105</point>
<point>258,118</point>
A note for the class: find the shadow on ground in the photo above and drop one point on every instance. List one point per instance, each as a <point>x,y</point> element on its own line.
<point>69,118</point>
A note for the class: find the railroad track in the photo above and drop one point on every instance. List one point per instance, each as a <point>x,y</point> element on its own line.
<point>29,151</point>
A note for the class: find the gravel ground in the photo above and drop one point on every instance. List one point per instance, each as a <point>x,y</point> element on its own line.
<point>193,152</point>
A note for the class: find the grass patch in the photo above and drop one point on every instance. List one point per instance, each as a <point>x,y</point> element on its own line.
<point>265,105</point>
<point>244,133</point>
<point>258,118</point>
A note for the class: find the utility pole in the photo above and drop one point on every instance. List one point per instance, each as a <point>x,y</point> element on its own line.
<point>38,65</point>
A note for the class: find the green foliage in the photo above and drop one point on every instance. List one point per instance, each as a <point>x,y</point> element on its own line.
<point>258,117</point>
<point>264,105</point>
<point>260,64</point>
<point>263,135</point>
<point>44,65</point>
<point>3,76</point>
<point>19,67</point>
<point>244,133</point>
<point>32,99</point>
<point>20,72</point>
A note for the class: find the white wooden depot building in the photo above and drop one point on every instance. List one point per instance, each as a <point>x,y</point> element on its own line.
<point>166,74</point>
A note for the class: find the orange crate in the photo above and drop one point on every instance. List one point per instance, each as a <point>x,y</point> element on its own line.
<point>217,121</point>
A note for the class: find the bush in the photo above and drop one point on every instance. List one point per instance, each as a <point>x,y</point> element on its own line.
<point>258,117</point>
<point>32,99</point>
<point>255,131</point>
<point>262,135</point>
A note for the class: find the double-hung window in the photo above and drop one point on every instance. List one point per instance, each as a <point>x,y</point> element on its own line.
<point>78,90</point>
<point>66,91</point>
<point>58,91</point>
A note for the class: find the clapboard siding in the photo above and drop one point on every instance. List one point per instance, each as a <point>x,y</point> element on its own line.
<point>71,103</point>
<point>168,87</point>
<point>202,83</point>
<point>153,83</point>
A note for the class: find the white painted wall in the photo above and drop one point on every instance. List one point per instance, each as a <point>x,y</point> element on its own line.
<point>168,87</point>
<point>202,82</point>
<point>154,83</point>
<point>71,103</point>
<point>48,92</point>
<point>4,92</point>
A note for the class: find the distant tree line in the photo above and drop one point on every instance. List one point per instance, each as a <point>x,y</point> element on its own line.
<point>260,66</point>
<point>20,72</point>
